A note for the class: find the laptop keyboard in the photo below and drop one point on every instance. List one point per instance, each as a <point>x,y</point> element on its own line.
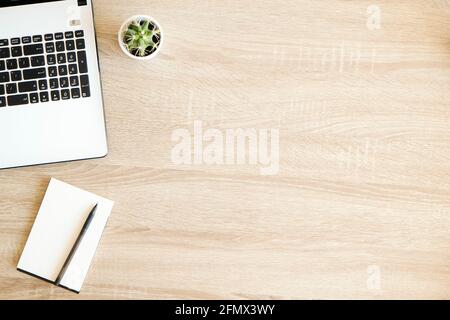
<point>43,68</point>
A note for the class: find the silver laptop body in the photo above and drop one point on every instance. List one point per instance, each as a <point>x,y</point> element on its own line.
<point>51,106</point>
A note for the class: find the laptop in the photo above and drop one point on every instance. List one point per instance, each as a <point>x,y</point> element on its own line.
<point>51,106</point>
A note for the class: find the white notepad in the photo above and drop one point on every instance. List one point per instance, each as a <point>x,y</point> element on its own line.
<point>62,214</point>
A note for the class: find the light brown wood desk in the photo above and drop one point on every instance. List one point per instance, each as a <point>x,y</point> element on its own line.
<point>360,207</point>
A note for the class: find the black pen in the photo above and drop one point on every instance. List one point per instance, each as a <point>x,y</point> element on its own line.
<point>76,245</point>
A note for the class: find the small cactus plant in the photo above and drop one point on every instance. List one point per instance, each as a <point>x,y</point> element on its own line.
<point>142,37</point>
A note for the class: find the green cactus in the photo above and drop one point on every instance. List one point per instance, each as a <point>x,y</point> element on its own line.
<point>142,37</point>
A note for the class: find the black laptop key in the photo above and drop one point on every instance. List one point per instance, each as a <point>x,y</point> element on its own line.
<point>59,36</point>
<point>65,94</point>
<point>74,81</point>
<point>70,45</point>
<point>43,85</point>
<point>28,86</point>
<point>71,57</point>
<point>34,97</point>
<point>37,38</point>
<point>59,46</point>
<point>52,71</point>
<point>2,102</point>
<point>11,64</point>
<point>50,47</point>
<point>2,89</point>
<point>16,75</point>
<point>18,100</point>
<point>51,59</point>
<point>55,95</point>
<point>61,58</point>
<point>48,37</point>
<point>37,61</point>
<point>85,90</point>
<point>15,41</point>
<point>2,65</point>
<point>44,96</point>
<point>54,83</point>
<point>84,80</point>
<point>62,70</point>
<point>73,69</point>
<point>33,49</point>
<point>82,62</point>
<point>69,35</point>
<point>64,82</point>
<point>4,77</point>
<point>26,40</point>
<point>4,42</point>
<point>79,33</point>
<point>75,93</point>
<point>11,88</point>
<point>4,53</point>
<point>16,51</point>
<point>36,73</point>
<point>24,63</point>
<point>80,44</point>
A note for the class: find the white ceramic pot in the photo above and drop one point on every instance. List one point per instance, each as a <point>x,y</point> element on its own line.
<point>124,28</point>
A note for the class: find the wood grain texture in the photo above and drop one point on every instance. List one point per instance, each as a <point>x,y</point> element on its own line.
<point>364,156</point>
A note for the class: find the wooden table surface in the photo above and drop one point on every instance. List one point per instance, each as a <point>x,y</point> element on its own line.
<point>360,208</point>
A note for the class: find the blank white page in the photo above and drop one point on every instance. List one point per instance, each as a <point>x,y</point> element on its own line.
<point>63,213</point>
